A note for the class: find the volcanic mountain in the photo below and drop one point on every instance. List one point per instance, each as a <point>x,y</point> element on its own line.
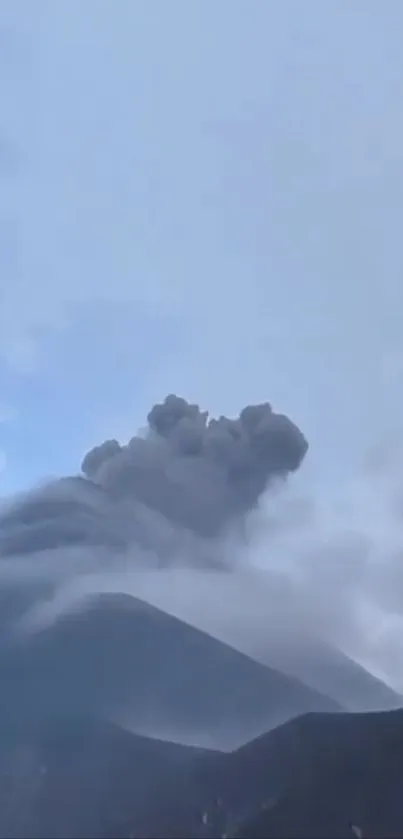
<point>119,657</point>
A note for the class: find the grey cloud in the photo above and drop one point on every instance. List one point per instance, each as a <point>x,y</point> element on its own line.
<point>168,498</point>
<point>165,500</point>
<point>198,472</point>
<point>188,478</point>
<point>161,517</point>
<point>93,460</point>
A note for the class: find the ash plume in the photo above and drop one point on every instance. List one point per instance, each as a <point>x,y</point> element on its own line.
<point>195,517</point>
<point>199,473</point>
<point>188,473</point>
<point>174,497</point>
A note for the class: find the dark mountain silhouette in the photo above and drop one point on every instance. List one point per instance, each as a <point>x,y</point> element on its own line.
<point>320,775</point>
<point>75,778</point>
<point>325,775</point>
<point>120,657</point>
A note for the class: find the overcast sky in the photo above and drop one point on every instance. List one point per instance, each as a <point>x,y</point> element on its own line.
<point>201,197</point>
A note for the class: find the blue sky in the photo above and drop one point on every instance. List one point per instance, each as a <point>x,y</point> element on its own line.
<point>203,198</point>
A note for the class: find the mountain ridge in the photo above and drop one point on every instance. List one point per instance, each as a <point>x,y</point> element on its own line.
<point>121,658</point>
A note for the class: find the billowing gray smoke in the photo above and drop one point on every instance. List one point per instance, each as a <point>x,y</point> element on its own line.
<point>199,473</point>
<point>188,471</point>
<point>159,520</point>
<point>168,500</point>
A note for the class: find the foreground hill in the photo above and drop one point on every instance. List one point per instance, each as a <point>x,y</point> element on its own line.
<point>121,658</point>
<point>321,775</point>
<point>77,778</point>
<point>324,775</point>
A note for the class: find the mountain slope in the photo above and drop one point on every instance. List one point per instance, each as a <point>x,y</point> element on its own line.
<point>76,777</point>
<point>328,670</point>
<point>254,612</point>
<point>316,663</point>
<point>322,774</point>
<point>120,657</point>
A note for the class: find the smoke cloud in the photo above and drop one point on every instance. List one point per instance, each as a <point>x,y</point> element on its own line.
<point>198,473</point>
<point>195,516</point>
<point>167,494</point>
<point>176,495</point>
